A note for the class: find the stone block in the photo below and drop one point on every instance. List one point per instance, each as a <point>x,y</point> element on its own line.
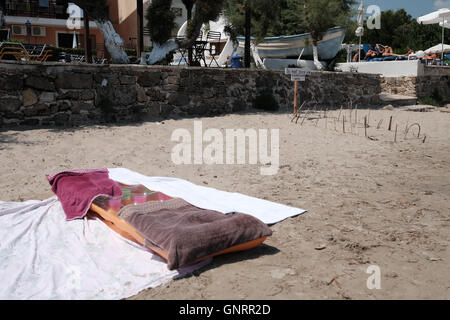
<point>73,80</point>
<point>39,83</point>
<point>29,97</point>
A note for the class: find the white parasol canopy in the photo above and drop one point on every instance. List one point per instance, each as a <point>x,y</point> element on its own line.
<point>435,17</point>
<point>438,49</point>
<point>441,17</point>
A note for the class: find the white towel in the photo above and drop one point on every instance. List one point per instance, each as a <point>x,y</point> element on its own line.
<point>209,198</point>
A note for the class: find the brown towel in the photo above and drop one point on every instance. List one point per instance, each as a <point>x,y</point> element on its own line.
<point>188,233</point>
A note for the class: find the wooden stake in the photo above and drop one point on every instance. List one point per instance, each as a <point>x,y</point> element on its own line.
<point>351,124</point>
<point>365,126</point>
<point>304,118</point>
<point>295,98</point>
<point>379,124</point>
<point>390,124</point>
<point>299,113</point>
<point>356,114</point>
<point>340,111</point>
<point>343,124</point>
<point>395,138</point>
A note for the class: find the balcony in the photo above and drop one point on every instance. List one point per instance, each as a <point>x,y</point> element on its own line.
<point>53,9</point>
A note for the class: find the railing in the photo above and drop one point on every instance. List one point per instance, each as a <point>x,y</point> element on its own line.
<point>36,8</point>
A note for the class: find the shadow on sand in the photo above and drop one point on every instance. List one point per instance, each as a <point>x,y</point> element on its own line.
<point>230,258</point>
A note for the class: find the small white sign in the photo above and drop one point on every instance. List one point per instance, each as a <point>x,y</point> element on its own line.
<point>298,78</point>
<point>297,71</point>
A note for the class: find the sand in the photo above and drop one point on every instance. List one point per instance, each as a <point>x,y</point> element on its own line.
<point>370,201</point>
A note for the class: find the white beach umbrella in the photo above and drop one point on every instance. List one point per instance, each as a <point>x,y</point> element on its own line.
<point>441,17</point>
<point>438,49</point>
<point>360,31</point>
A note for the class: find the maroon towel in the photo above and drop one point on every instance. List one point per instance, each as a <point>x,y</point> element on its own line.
<point>78,188</point>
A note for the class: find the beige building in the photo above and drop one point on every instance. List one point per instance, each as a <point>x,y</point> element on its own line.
<point>48,20</point>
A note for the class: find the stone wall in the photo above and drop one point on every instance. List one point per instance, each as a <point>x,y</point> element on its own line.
<point>432,81</point>
<point>58,94</point>
<point>399,85</point>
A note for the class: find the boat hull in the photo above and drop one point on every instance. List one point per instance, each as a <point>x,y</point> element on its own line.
<point>292,46</point>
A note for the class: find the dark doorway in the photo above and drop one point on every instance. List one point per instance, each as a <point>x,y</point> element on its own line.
<point>65,40</point>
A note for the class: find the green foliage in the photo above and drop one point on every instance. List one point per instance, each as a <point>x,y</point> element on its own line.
<point>436,99</point>
<point>266,101</point>
<point>264,15</point>
<point>97,9</point>
<point>161,20</point>
<point>429,101</point>
<point>320,15</point>
<point>302,16</point>
<point>399,30</point>
<point>18,41</point>
<point>205,10</point>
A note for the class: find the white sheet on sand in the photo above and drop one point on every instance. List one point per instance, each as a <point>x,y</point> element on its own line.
<point>209,198</point>
<point>42,256</point>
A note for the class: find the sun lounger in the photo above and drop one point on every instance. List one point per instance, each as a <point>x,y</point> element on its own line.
<point>39,53</point>
<point>176,230</point>
<point>180,241</point>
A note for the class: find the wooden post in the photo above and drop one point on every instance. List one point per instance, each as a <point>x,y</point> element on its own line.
<point>87,39</point>
<point>390,124</point>
<point>140,28</point>
<point>295,98</point>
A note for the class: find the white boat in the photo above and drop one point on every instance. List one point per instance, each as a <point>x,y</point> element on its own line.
<point>283,47</point>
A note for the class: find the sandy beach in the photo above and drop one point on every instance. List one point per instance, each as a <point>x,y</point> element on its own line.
<point>370,201</point>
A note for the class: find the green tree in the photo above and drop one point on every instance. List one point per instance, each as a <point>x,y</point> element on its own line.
<point>252,18</point>
<point>161,20</point>
<point>98,10</point>
<point>400,30</point>
<point>161,23</point>
<point>292,20</point>
<point>321,15</point>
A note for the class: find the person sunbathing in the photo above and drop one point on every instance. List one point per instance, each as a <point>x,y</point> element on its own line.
<point>410,52</point>
<point>385,51</point>
<point>371,53</point>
